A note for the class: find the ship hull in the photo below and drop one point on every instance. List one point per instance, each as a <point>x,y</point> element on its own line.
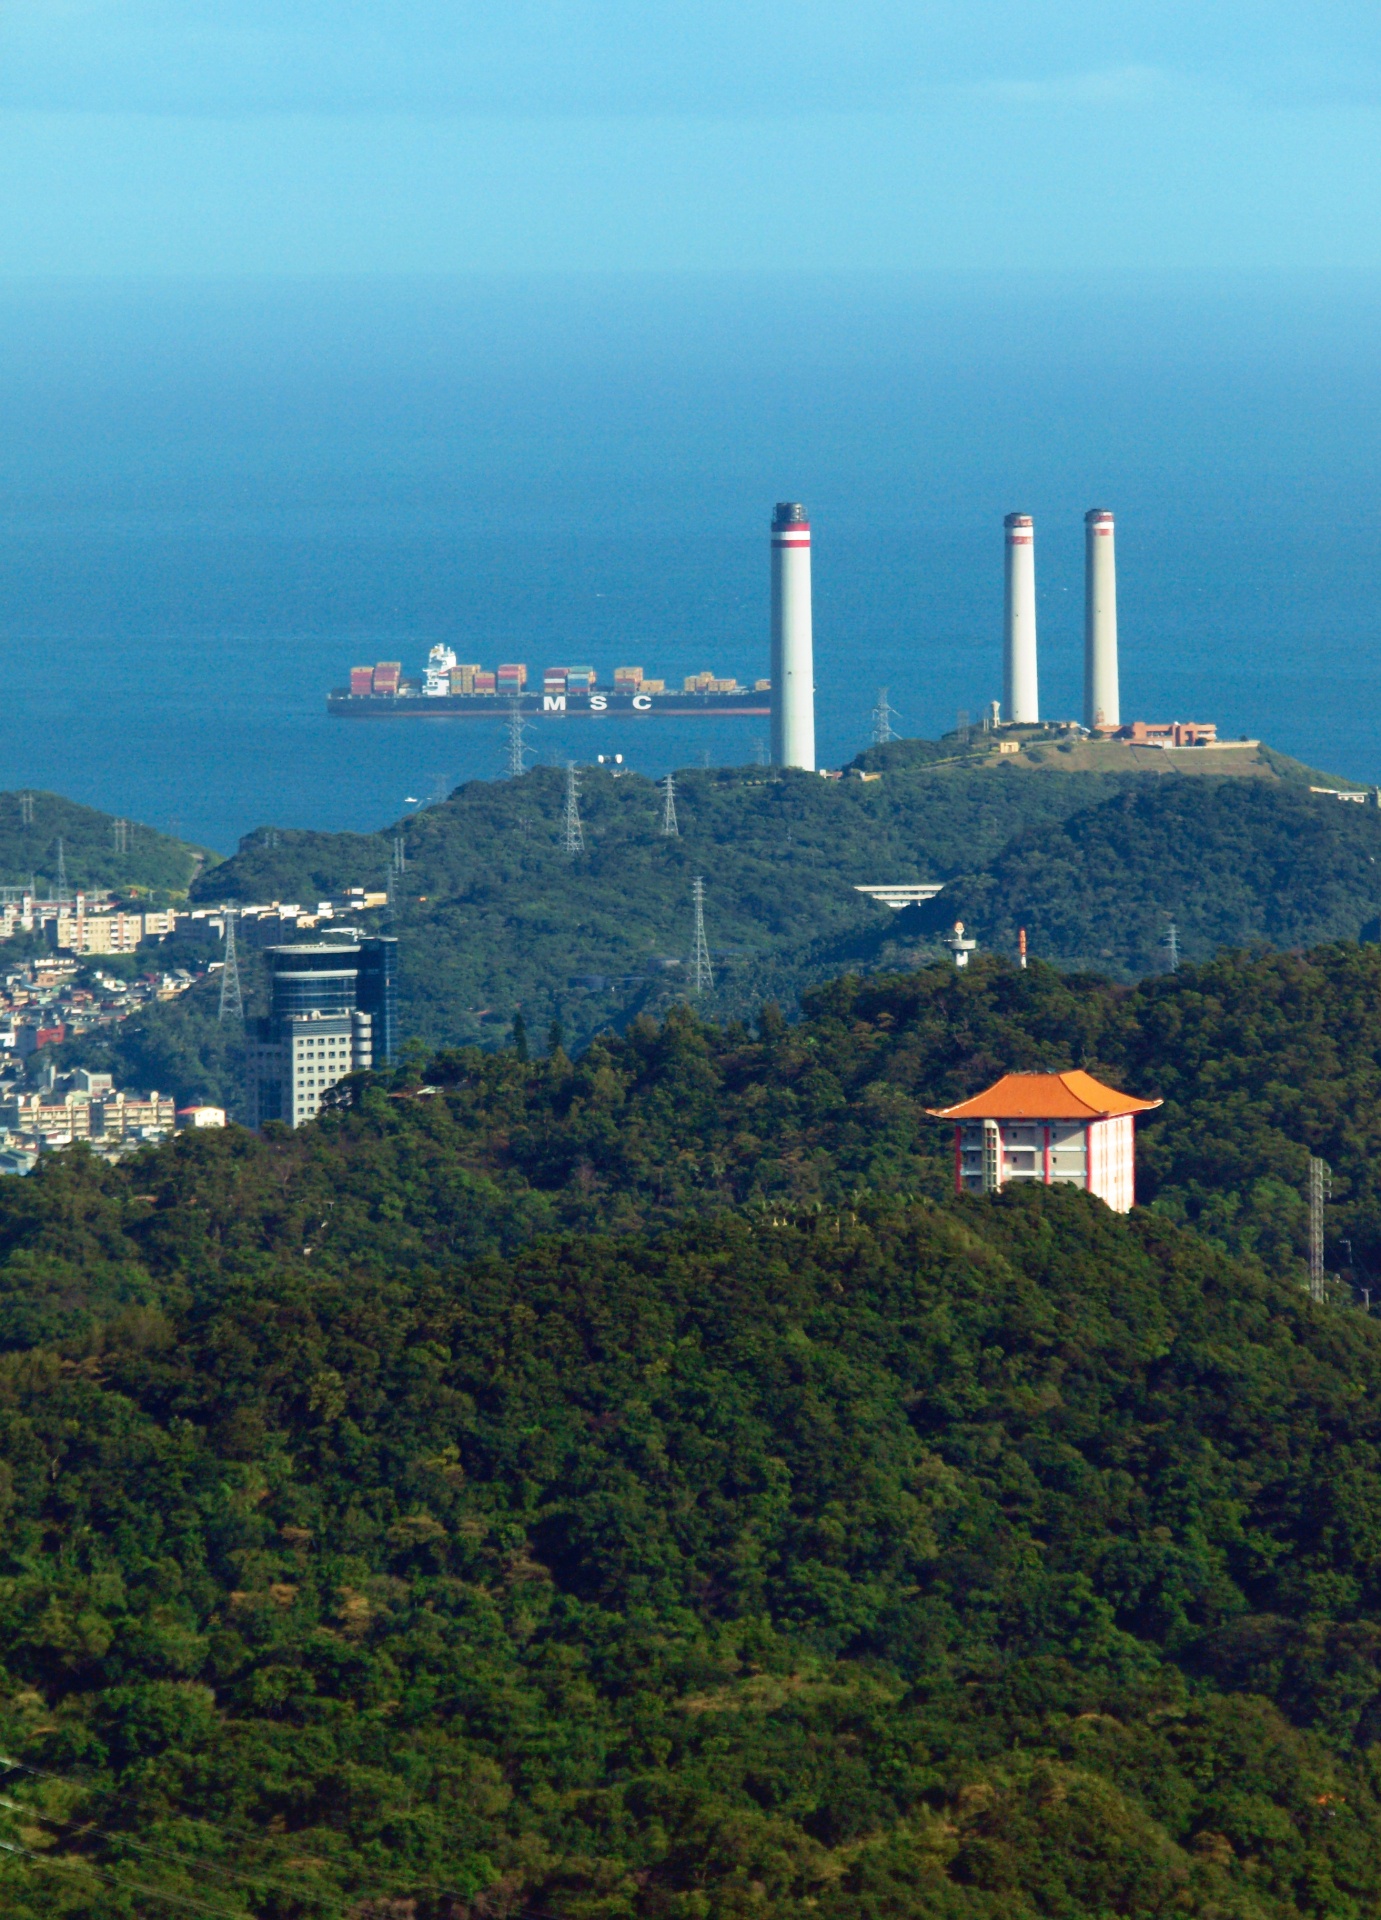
<point>548,706</point>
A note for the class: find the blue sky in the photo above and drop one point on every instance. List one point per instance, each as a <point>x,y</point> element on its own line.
<point>329,136</point>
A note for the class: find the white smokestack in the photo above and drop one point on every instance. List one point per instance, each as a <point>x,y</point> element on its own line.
<point>1020,698</point>
<point>793,664</point>
<point>1101,706</point>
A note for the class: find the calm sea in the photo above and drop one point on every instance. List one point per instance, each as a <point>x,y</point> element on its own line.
<point>215,499</point>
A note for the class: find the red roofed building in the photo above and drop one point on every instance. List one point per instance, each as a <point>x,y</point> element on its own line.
<point>1058,1128</point>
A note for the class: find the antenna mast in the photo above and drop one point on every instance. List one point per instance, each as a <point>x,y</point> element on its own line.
<point>702,973</point>
<point>232,1000</point>
<point>883,716</point>
<point>669,826</point>
<point>574,841</point>
<point>1320,1189</point>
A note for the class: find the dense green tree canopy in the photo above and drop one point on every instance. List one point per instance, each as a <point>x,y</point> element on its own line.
<point>964,1559</point>
<point>494,918</point>
<point>635,1486</point>
<point>148,860</point>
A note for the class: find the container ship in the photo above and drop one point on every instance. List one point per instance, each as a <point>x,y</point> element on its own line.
<point>450,689</point>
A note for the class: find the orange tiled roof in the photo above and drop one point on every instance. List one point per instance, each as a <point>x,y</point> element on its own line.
<point>1045,1096</point>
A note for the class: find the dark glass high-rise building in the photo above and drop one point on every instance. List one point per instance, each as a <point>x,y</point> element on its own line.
<point>315,979</point>
<point>377,994</point>
<point>333,1009</point>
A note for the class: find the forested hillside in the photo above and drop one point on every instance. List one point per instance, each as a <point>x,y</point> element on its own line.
<point>633,1486</point>
<point>29,848</point>
<point>1232,863</point>
<point>1260,1062</point>
<point>495,919</point>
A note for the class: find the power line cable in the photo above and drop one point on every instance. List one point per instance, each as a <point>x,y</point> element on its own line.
<point>82,1864</point>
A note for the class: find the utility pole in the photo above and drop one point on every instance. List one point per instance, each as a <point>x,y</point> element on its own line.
<point>669,826</point>
<point>232,1000</point>
<point>702,973</point>
<point>574,840</point>
<point>1170,940</point>
<point>517,742</point>
<point>1320,1190</point>
<point>883,716</point>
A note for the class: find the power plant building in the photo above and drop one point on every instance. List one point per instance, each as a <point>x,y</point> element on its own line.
<point>1102,710</point>
<point>1021,704</point>
<point>333,1011</point>
<point>793,662</point>
<point>1061,1129</point>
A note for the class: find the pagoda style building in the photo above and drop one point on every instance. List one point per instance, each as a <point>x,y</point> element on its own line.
<point>1058,1128</point>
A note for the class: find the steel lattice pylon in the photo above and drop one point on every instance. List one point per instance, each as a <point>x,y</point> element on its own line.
<point>669,826</point>
<point>702,973</point>
<point>883,716</point>
<point>518,748</point>
<point>1320,1190</point>
<point>574,840</point>
<point>232,1000</point>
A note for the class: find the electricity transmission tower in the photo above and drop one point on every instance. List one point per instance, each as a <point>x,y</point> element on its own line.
<point>702,973</point>
<point>574,841</point>
<point>232,1000</point>
<point>397,867</point>
<point>1170,940</point>
<point>62,874</point>
<point>1320,1190</point>
<point>883,716</point>
<point>120,828</point>
<point>26,809</point>
<point>518,748</point>
<point>669,826</point>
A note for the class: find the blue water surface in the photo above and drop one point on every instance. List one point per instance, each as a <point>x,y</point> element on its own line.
<point>214,499</point>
